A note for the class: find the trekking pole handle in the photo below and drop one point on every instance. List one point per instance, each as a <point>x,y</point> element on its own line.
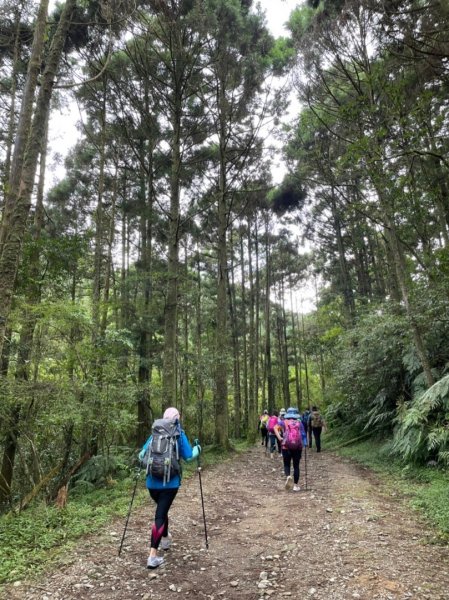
<point>196,442</point>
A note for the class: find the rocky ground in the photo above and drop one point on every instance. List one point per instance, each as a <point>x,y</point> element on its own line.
<point>346,536</point>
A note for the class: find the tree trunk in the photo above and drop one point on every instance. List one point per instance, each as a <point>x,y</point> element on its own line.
<point>25,120</point>
<point>252,354</point>
<point>92,427</point>
<point>348,295</point>
<point>284,347</point>
<point>244,337</point>
<point>26,152</point>
<point>298,388</point>
<point>13,93</point>
<point>235,351</point>
<point>221,340</point>
<point>185,358</point>
<point>306,370</point>
<point>376,260</point>
<point>268,364</point>
<point>399,264</point>
<point>169,387</point>
<point>402,277</point>
<point>144,412</point>
<point>257,321</point>
<point>199,353</point>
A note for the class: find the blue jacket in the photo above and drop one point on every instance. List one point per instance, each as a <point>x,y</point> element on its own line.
<point>185,452</point>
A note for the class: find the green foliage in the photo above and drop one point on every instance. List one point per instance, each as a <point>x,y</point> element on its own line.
<point>99,470</point>
<point>369,371</point>
<point>281,55</point>
<point>423,426</point>
<point>43,534</point>
<point>300,21</point>
<point>288,197</point>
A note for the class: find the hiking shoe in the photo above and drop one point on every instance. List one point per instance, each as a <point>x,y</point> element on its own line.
<point>289,483</point>
<point>296,488</point>
<point>154,562</point>
<point>166,542</point>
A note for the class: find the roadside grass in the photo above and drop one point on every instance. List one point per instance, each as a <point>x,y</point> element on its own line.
<point>426,488</point>
<point>43,535</point>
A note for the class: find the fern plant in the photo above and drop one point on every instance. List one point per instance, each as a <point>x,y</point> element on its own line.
<point>98,470</point>
<point>423,426</point>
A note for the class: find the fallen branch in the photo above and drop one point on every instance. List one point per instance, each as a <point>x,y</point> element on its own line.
<point>37,488</point>
<point>353,441</point>
<point>62,495</point>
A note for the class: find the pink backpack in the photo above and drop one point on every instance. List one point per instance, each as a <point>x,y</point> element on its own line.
<point>292,439</point>
<point>272,422</point>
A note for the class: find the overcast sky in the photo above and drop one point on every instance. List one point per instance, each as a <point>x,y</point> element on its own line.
<point>278,12</point>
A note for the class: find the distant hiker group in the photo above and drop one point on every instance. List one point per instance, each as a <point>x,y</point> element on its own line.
<point>287,432</point>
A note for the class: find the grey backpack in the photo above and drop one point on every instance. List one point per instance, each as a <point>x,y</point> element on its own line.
<point>162,455</point>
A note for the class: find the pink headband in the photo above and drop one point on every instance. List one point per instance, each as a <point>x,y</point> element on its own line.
<point>171,413</point>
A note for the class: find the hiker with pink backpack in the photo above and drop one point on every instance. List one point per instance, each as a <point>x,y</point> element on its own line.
<point>293,438</point>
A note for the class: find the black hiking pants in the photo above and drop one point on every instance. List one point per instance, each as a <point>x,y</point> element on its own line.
<point>317,435</point>
<point>264,433</point>
<point>163,499</point>
<point>290,456</point>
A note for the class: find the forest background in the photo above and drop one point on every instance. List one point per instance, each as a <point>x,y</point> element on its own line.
<point>164,268</point>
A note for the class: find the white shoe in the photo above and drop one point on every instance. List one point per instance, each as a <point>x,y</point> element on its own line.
<point>289,483</point>
<point>154,561</point>
<point>296,488</point>
<point>166,542</point>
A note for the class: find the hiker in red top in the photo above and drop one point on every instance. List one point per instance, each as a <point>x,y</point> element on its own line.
<point>293,437</point>
<point>281,423</point>
<point>272,423</point>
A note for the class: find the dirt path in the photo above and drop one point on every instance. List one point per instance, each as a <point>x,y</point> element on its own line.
<point>344,538</point>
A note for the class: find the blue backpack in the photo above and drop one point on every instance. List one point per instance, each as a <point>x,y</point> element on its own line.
<point>305,419</point>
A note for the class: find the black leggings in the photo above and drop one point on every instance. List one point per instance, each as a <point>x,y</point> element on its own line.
<point>317,435</point>
<point>163,499</point>
<point>289,456</point>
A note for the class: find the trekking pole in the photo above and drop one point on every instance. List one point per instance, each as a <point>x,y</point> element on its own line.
<point>129,510</point>
<point>305,465</point>
<point>196,443</point>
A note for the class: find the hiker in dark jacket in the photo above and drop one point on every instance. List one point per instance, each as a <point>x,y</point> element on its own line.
<point>316,424</point>
<point>164,492</point>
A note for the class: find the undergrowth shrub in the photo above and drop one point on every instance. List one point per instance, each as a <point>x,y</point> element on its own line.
<point>422,433</point>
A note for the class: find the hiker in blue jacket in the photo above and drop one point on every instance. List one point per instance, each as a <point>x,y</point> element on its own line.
<point>163,492</point>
